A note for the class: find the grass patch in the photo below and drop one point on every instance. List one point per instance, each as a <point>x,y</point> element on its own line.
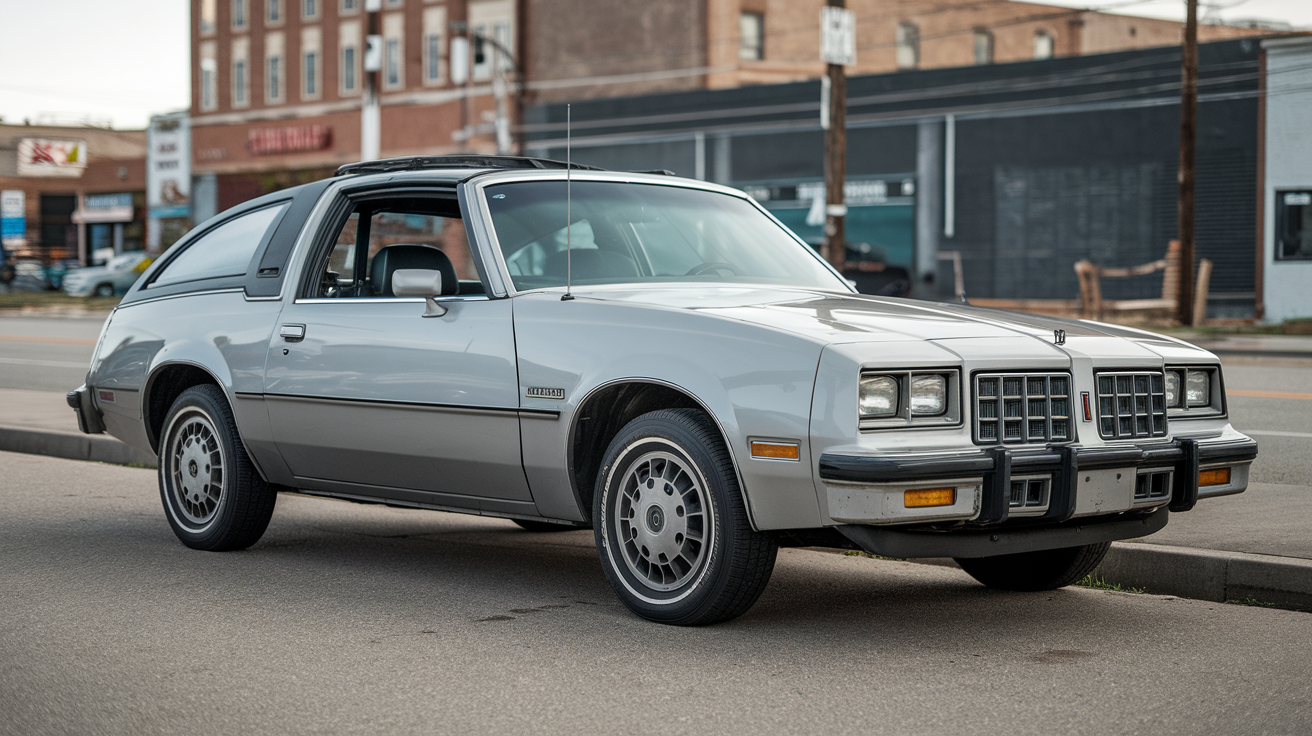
<point>859,553</point>
<point>1098,583</point>
<point>1250,601</point>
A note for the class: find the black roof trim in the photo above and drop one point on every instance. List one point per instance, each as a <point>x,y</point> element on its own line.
<point>455,161</point>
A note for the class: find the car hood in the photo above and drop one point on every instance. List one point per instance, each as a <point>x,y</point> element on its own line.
<point>858,318</point>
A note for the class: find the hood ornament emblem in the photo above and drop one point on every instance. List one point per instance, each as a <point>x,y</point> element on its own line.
<point>1059,337</point>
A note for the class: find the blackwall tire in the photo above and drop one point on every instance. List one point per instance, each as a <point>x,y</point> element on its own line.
<point>104,290</point>
<point>1031,571</point>
<point>671,528</point>
<point>213,497</point>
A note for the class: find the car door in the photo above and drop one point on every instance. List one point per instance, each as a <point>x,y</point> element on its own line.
<point>368,397</point>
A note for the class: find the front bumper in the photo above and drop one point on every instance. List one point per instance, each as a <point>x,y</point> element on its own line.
<point>996,466</point>
<point>88,416</point>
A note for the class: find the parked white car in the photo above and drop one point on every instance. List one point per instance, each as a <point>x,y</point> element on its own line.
<point>115,277</point>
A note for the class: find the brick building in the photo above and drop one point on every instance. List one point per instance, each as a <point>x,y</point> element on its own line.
<point>83,190</point>
<point>277,84</point>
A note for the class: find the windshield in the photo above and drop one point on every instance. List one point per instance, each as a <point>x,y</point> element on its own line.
<point>627,233</point>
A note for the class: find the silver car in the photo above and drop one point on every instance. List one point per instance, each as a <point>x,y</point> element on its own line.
<point>116,276</point>
<point>653,358</point>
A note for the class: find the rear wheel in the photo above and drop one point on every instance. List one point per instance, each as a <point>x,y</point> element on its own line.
<point>671,528</point>
<point>213,497</point>
<point>1043,570</point>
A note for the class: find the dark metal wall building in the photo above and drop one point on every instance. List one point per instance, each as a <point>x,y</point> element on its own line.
<point>1023,168</point>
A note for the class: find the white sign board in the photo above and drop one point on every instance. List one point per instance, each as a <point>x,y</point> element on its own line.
<point>168,166</point>
<point>44,157</point>
<point>837,36</point>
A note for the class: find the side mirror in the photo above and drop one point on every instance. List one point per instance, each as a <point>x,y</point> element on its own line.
<point>423,282</point>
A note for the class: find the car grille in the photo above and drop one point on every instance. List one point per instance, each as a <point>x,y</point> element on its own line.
<point>1016,408</point>
<point>1131,405</point>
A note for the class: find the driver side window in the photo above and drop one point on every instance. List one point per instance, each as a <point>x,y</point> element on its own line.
<point>381,235</point>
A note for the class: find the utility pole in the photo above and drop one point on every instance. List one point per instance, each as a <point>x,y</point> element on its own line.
<point>1188,140</point>
<point>837,48</point>
<point>370,112</point>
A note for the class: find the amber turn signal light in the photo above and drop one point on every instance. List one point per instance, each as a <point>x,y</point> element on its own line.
<point>929,497</point>
<point>1218,477</point>
<point>776,450</point>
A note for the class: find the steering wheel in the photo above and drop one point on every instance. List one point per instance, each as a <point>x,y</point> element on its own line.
<point>710,266</point>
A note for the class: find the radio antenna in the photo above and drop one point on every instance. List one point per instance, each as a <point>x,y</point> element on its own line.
<point>569,252</point>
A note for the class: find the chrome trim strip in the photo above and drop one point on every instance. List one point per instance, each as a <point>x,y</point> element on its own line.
<point>204,292</point>
<point>393,299</point>
<point>453,408</point>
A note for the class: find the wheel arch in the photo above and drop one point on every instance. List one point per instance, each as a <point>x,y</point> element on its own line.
<point>163,386</point>
<point>607,408</point>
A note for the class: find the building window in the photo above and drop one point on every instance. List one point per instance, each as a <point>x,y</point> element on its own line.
<point>983,46</point>
<point>311,88</point>
<point>394,3</point>
<point>274,84</point>
<point>207,15</point>
<point>751,36</point>
<point>908,46</point>
<point>350,6</point>
<point>238,14</point>
<point>239,83</point>
<point>310,8</point>
<point>1043,45</point>
<point>1294,225</point>
<point>274,8</point>
<point>208,71</point>
<point>433,57</point>
<point>485,52</point>
<point>392,63</point>
<point>348,69</point>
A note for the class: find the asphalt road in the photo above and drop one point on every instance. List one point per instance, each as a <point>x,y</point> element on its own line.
<point>350,618</point>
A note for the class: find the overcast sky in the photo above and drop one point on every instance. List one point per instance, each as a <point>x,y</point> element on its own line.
<point>124,60</point>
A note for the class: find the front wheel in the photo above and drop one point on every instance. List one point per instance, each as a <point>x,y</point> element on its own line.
<point>670,523</point>
<point>213,497</point>
<point>1047,569</point>
<point>104,290</point>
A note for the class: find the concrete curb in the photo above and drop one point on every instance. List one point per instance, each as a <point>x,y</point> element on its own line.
<point>96,448</point>
<point>1209,575</point>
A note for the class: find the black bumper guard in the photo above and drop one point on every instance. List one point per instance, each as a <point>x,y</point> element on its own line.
<point>1064,463</point>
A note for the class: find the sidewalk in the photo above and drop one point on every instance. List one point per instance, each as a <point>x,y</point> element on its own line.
<point>40,423</point>
<point>1266,346</point>
<point>1256,545</point>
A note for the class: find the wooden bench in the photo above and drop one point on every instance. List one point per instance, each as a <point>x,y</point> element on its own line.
<point>1162,309</point>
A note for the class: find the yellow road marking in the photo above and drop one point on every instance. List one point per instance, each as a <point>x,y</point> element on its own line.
<point>1267,394</point>
<point>55,340</point>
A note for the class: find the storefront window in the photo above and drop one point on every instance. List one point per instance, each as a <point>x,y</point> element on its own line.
<point>1294,225</point>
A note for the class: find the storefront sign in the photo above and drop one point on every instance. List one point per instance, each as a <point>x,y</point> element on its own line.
<point>13,219</point>
<point>168,166</point>
<point>45,157</point>
<point>268,141</point>
<point>105,208</point>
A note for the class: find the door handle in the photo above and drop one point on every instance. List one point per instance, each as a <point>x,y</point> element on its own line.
<point>292,333</point>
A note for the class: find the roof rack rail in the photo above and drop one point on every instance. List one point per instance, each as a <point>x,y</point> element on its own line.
<point>659,172</point>
<point>455,161</point>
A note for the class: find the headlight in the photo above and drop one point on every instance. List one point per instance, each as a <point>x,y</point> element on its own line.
<point>878,396</point>
<point>929,395</point>
<point>1173,394</point>
<point>1197,388</point>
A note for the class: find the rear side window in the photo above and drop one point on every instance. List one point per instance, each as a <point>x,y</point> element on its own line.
<point>224,251</point>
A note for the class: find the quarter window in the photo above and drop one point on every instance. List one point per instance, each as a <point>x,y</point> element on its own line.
<point>224,251</point>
